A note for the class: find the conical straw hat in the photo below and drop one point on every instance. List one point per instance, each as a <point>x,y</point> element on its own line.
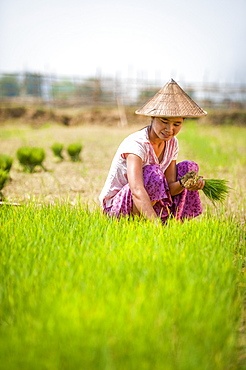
<point>171,101</point>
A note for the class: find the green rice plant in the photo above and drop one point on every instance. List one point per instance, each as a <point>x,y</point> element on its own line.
<point>74,150</point>
<point>57,150</point>
<point>30,157</point>
<point>216,189</point>
<point>81,290</point>
<point>3,178</point>
<point>5,162</point>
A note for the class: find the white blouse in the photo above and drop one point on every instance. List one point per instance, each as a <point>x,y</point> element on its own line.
<point>137,143</point>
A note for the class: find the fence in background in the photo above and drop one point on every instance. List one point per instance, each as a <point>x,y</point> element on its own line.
<point>32,88</point>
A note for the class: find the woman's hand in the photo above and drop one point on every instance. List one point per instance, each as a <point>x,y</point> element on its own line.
<point>199,185</point>
<point>194,183</point>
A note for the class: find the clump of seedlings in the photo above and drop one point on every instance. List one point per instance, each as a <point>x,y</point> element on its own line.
<point>5,162</point>
<point>5,166</point>
<point>30,157</point>
<point>215,189</point>
<point>4,176</point>
<point>57,150</point>
<point>74,151</point>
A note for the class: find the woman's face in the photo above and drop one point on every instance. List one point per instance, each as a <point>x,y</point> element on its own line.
<point>165,128</point>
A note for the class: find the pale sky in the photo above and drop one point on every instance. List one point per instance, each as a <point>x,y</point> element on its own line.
<point>188,40</point>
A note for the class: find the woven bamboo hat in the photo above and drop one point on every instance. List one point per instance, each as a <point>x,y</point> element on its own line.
<point>171,101</point>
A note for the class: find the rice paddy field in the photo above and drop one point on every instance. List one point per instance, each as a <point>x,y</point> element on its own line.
<point>81,291</point>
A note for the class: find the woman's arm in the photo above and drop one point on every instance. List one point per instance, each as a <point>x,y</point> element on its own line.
<point>171,176</point>
<point>174,185</point>
<point>140,196</point>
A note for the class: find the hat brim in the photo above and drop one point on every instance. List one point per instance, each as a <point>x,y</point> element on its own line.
<point>168,115</point>
<point>171,101</point>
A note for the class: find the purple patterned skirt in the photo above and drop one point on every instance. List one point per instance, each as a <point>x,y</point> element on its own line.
<point>184,205</point>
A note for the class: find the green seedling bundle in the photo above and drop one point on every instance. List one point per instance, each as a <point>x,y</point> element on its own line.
<point>30,157</point>
<point>3,178</point>
<point>57,150</point>
<point>5,162</point>
<point>5,166</point>
<point>74,151</point>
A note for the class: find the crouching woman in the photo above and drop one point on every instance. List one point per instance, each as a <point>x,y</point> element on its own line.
<point>144,178</point>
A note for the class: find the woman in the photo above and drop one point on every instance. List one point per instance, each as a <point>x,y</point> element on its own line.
<point>144,178</point>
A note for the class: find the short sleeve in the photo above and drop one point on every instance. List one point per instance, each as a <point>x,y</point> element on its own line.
<point>175,150</point>
<point>132,147</point>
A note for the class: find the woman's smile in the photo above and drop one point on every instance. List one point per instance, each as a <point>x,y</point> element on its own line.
<point>164,129</point>
<point>166,135</point>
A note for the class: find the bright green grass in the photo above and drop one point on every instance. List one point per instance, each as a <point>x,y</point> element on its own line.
<point>213,147</point>
<point>81,291</point>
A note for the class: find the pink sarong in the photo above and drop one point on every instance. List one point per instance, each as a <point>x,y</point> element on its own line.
<point>184,205</point>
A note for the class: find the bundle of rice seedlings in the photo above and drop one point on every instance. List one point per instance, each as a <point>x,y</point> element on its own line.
<point>74,151</point>
<point>57,150</point>
<point>3,178</point>
<point>29,158</point>
<point>5,162</point>
<point>215,189</point>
